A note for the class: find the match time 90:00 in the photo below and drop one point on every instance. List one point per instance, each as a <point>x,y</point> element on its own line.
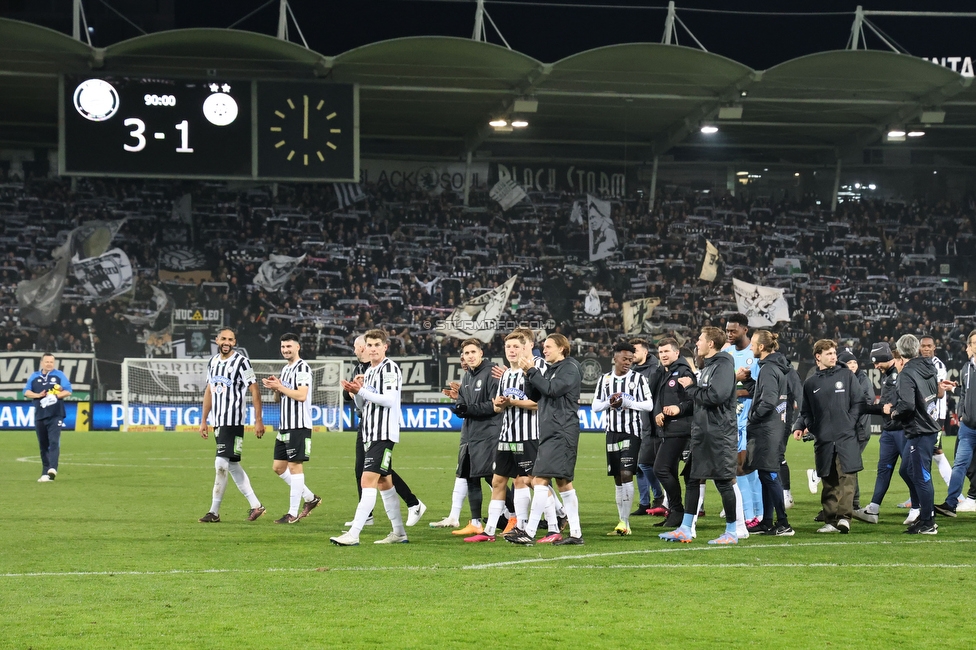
<point>160,100</point>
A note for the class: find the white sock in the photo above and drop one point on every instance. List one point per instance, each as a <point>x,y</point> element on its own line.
<point>552,519</point>
<point>392,504</point>
<point>494,512</point>
<point>366,503</point>
<point>307,494</point>
<point>701,504</point>
<point>523,499</point>
<point>628,502</point>
<point>539,496</point>
<point>571,504</point>
<point>872,508</point>
<point>945,467</point>
<point>457,498</point>
<point>560,509</point>
<point>244,484</point>
<point>740,518</point>
<point>295,495</point>
<point>220,484</point>
<point>619,498</point>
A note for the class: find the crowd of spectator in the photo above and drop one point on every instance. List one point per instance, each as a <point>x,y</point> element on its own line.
<point>403,260</point>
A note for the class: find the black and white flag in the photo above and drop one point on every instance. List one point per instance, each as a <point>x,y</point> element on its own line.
<point>636,312</point>
<point>591,305</point>
<point>348,194</point>
<point>106,276</point>
<point>478,317</point>
<point>275,273</point>
<point>765,306</point>
<point>576,216</point>
<point>603,236</point>
<point>709,263</point>
<point>507,192</point>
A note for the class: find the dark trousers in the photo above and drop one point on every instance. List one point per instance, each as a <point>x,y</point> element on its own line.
<point>48,433</point>
<point>837,497</point>
<point>891,446</point>
<point>401,487</point>
<point>772,496</point>
<point>725,490</point>
<point>666,469</point>
<point>918,455</point>
<point>862,443</point>
<point>784,467</point>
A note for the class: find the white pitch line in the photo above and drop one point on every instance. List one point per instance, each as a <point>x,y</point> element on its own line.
<point>69,574</point>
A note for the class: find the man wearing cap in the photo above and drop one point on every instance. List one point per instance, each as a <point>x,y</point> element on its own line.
<point>862,429</point>
<point>892,441</point>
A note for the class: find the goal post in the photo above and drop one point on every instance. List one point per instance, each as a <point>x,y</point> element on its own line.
<point>167,394</point>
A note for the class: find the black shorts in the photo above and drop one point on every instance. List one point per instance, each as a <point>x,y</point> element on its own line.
<point>230,442</point>
<point>622,453</point>
<point>515,459</point>
<point>379,458</point>
<point>293,445</point>
<point>557,456</point>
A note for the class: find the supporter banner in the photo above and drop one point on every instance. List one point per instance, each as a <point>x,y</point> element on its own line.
<point>183,263</point>
<point>348,194</point>
<point>564,178</point>
<point>709,263</point>
<point>433,178</point>
<point>106,276</point>
<point>161,301</point>
<point>765,306</point>
<point>603,236</point>
<point>635,312</point>
<point>507,193</point>
<point>275,273</point>
<point>198,315</point>
<point>17,367</point>
<point>478,318</point>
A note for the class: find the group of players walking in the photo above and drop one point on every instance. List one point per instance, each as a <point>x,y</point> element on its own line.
<point>729,422</point>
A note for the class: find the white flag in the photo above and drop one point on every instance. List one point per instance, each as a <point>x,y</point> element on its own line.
<point>40,298</point>
<point>348,194</point>
<point>183,209</point>
<point>105,276</point>
<point>710,263</point>
<point>638,311</point>
<point>603,236</point>
<point>160,299</point>
<point>592,303</point>
<point>507,193</point>
<point>765,306</point>
<point>478,317</point>
<point>577,215</point>
<point>276,272</point>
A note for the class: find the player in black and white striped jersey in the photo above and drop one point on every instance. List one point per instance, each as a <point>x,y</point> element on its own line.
<point>293,444</point>
<point>623,394</point>
<point>926,349</point>
<point>229,378</point>
<point>377,393</point>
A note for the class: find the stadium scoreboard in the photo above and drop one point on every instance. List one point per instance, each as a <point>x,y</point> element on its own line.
<point>208,129</point>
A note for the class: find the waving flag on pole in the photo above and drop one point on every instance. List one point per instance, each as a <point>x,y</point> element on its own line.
<point>765,306</point>
<point>603,236</point>
<point>710,263</point>
<point>477,317</point>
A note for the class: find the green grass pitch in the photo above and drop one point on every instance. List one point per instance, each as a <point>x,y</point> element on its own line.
<point>110,555</point>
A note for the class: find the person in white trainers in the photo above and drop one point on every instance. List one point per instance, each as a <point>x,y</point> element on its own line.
<point>48,387</point>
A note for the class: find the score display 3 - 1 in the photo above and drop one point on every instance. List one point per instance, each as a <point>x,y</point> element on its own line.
<point>126,126</point>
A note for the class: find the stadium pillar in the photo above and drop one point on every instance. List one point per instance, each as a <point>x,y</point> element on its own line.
<point>467,178</point>
<point>650,199</point>
<point>479,23</point>
<point>833,199</point>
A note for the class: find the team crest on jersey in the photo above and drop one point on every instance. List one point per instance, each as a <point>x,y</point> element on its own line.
<point>839,385</point>
<point>749,362</point>
<point>477,385</point>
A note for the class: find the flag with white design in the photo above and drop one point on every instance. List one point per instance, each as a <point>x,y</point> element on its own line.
<point>765,306</point>
<point>477,317</point>
<point>591,305</point>
<point>636,312</point>
<point>161,301</point>
<point>710,263</point>
<point>348,194</point>
<point>603,236</point>
<point>576,216</point>
<point>183,209</point>
<point>106,276</point>
<point>277,271</point>
<point>507,192</point>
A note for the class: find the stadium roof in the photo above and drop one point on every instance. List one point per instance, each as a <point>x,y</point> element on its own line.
<point>431,97</point>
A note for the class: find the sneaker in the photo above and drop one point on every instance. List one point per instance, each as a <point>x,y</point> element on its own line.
<point>759,528</point>
<point>788,499</point>
<point>53,473</point>
<point>569,541</point>
<point>819,517</point>
<point>844,526</point>
<point>551,538</point>
<point>912,516</point>
<point>519,537</point>
<point>254,513</point>
<point>741,530</point>
<point>510,525</point>
<point>675,517</point>
<point>480,537</point>
<point>828,528</point>
<point>965,504</point>
<point>641,510</point>
<point>659,511</point>
<point>309,506</point>
<point>45,478</point>
<point>369,522</point>
<point>657,503</point>
<point>393,538</point>
<point>701,513</point>
<point>471,529</point>
<point>446,522</point>
<point>865,516</point>
<point>945,509</point>
<point>782,530</point>
<point>752,523</point>
<point>622,529</point>
<point>905,504</point>
<point>682,535</point>
<point>562,522</point>
<point>287,519</point>
<point>345,539</point>
<point>724,539</point>
<point>812,480</point>
<point>923,528</point>
<point>209,518</point>
<point>414,513</point>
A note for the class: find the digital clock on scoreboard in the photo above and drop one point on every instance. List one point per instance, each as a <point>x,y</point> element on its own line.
<point>124,126</point>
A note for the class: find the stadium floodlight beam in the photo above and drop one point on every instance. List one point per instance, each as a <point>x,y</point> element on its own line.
<point>915,134</point>
<point>498,124</point>
<point>520,124</point>
<point>708,129</point>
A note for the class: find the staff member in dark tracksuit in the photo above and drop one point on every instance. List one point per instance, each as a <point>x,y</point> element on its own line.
<point>831,405</point>
<point>917,408</point>
<point>714,435</point>
<point>673,410</point>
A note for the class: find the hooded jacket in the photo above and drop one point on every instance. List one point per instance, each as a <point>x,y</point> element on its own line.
<point>918,402</point>
<point>557,392</point>
<point>832,402</point>
<point>482,426</point>
<point>966,402</point>
<point>669,392</point>
<point>767,415</point>
<point>714,433</point>
<point>889,395</point>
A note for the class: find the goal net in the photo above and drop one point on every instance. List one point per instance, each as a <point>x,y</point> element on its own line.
<point>167,394</point>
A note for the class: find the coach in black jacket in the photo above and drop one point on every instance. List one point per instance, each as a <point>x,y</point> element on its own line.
<point>831,405</point>
<point>673,410</point>
<point>916,408</point>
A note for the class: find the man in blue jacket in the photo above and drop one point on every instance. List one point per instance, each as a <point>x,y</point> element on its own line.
<point>48,387</point>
